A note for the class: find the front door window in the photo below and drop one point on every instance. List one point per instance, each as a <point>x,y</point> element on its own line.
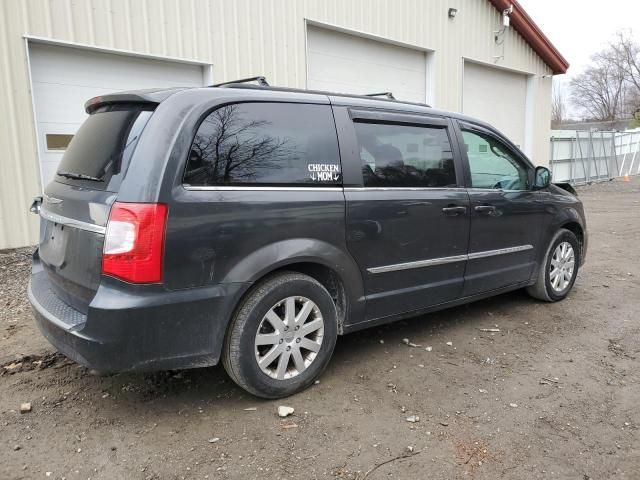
<point>491,164</point>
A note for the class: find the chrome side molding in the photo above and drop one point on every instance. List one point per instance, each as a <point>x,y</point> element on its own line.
<point>444,260</point>
<point>500,251</point>
<point>419,264</point>
<point>227,188</point>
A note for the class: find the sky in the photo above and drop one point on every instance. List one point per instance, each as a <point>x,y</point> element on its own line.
<point>580,28</point>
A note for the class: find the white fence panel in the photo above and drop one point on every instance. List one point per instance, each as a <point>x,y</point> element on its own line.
<point>580,157</point>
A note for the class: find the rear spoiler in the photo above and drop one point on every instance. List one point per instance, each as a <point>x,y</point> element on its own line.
<point>151,97</point>
<point>568,187</point>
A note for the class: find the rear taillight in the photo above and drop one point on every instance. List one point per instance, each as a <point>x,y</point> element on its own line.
<point>134,242</point>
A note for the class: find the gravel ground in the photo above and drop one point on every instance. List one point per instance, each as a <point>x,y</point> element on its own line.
<point>554,394</point>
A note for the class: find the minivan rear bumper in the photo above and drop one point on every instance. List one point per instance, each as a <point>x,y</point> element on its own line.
<point>148,330</point>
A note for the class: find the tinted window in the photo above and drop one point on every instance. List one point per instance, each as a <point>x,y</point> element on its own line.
<point>405,156</point>
<point>265,143</point>
<point>491,163</point>
<point>102,147</point>
<point>57,141</point>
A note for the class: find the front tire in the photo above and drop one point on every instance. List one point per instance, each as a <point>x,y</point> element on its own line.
<point>559,268</point>
<point>282,336</point>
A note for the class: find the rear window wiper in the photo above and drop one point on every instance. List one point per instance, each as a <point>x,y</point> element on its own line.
<point>78,176</point>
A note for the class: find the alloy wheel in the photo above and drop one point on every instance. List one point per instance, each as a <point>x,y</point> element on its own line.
<point>289,337</point>
<point>562,266</point>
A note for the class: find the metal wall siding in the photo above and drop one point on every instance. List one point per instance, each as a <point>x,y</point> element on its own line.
<point>240,38</point>
<point>19,173</point>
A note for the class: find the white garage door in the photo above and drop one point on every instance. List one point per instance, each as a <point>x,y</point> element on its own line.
<point>64,78</point>
<point>339,62</point>
<point>498,97</point>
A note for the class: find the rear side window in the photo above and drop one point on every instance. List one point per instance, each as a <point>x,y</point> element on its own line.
<point>395,155</point>
<point>265,144</point>
<point>98,155</point>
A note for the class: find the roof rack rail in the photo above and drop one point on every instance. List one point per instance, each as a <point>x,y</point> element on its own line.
<point>389,95</point>
<point>262,84</point>
<point>261,81</point>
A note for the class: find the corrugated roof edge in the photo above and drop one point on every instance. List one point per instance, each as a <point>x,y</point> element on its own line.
<point>534,36</point>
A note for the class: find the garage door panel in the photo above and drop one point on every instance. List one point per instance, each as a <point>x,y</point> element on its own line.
<point>64,78</point>
<point>498,97</point>
<point>352,80</point>
<point>69,66</point>
<point>58,103</point>
<point>54,129</point>
<point>326,65</point>
<point>363,86</point>
<point>49,168</point>
<point>347,63</point>
<point>347,46</point>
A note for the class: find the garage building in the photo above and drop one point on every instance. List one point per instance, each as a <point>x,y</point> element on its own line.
<point>455,55</point>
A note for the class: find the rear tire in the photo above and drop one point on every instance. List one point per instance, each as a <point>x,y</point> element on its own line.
<point>282,336</point>
<point>559,268</point>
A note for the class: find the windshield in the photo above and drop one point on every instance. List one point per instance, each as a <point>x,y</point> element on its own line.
<point>99,153</point>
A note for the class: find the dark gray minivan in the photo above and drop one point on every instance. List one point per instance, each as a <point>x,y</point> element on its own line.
<point>255,224</point>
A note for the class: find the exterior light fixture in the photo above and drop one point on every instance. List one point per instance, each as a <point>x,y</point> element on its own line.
<point>506,16</point>
<point>453,12</point>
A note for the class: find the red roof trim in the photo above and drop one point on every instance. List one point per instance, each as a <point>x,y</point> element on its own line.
<point>524,24</point>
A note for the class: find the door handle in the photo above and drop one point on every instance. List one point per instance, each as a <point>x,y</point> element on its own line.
<point>486,209</point>
<point>453,211</point>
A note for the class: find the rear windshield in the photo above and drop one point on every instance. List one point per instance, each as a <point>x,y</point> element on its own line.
<point>100,151</point>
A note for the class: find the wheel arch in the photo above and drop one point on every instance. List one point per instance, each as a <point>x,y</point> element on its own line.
<point>577,229</point>
<point>326,263</point>
<point>327,277</point>
<point>568,218</point>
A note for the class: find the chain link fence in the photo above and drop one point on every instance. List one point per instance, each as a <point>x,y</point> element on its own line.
<point>580,157</point>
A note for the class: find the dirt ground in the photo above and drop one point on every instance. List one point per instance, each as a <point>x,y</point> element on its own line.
<point>554,394</point>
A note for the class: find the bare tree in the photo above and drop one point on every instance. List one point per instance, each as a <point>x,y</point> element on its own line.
<point>609,89</point>
<point>599,90</point>
<point>558,105</point>
<point>627,52</point>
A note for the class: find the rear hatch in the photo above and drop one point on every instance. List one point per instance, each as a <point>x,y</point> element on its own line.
<point>76,204</point>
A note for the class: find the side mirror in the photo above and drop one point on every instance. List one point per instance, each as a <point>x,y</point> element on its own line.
<point>542,178</point>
